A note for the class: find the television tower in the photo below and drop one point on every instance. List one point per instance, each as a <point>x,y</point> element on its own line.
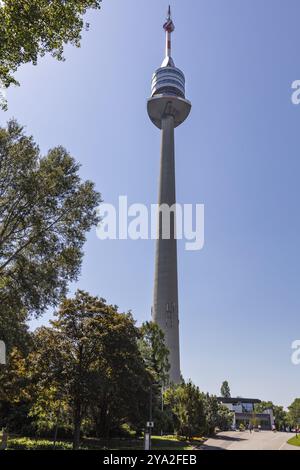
<point>167,109</point>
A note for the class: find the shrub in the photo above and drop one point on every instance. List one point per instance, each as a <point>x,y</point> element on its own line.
<point>24,443</point>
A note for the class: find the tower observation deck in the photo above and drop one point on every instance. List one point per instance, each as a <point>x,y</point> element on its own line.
<point>167,109</point>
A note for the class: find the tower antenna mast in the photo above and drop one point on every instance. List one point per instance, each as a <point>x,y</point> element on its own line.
<point>169,28</point>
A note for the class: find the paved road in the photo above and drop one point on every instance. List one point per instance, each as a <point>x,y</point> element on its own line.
<point>263,440</point>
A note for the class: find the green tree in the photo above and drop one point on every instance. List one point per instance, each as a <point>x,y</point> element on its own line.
<point>120,394</point>
<point>211,413</point>
<point>154,352</point>
<point>15,392</point>
<point>280,415</point>
<point>187,405</point>
<point>50,409</point>
<point>217,415</point>
<point>45,212</point>
<point>225,418</point>
<point>90,360</point>
<point>156,358</point>
<point>32,28</point>
<point>225,390</point>
<point>14,330</point>
<point>263,405</point>
<point>294,412</point>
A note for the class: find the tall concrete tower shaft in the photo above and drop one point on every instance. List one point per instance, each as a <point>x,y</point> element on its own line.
<point>167,109</point>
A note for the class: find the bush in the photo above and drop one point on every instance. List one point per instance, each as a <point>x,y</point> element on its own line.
<point>24,443</point>
<point>14,417</point>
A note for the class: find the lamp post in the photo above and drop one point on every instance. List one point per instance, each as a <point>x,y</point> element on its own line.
<point>3,443</point>
<point>150,423</point>
<point>150,417</point>
<point>2,353</point>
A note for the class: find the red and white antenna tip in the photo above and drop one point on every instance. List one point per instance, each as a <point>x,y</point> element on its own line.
<point>169,26</point>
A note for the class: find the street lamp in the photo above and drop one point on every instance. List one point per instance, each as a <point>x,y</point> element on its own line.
<point>150,423</point>
<point>3,443</point>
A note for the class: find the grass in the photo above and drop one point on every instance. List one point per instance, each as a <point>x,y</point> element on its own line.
<point>158,442</point>
<point>294,441</point>
<point>175,443</point>
<point>25,443</point>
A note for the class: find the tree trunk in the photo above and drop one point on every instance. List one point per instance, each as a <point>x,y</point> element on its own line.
<point>3,444</point>
<point>77,427</point>
<point>55,436</point>
<point>56,428</point>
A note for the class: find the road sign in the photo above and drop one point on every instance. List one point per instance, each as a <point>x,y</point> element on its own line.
<point>150,424</point>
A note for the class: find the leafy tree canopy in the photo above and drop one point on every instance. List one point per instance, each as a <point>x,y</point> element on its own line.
<point>225,390</point>
<point>45,213</point>
<point>280,415</point>
<point>154,352</point>
<point>294,412</point>
<point>90,361</point>
<point>187,404</point>
<point>217,415</point>
<point>14,330</point>
<point>32,28</point>
<point>264,405</point>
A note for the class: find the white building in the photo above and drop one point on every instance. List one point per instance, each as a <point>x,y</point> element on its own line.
<point>244,412</point>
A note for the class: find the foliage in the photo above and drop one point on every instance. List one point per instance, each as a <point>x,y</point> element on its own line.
<point>280,415</point>
<point>217,415</point>
<point>294,412</point>
<point>90,361</point>
<point>154,352</point>
<point>14,379</point>
<point>225,390</point>
<point>211,413</point>
<point>155,356</point>
<point>25,443</point>
<point>225,418</point>
<point>45,212</point>
<point>187,404</point>
<point>85,373</point>
<point>196,413</point>
<point>14,329</point>
<point>32,28</point>
<point>158,442</point>
<point>15,394</point>
<point>50,411</point>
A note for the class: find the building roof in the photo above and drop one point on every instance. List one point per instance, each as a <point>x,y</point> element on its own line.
<point>238,400</point>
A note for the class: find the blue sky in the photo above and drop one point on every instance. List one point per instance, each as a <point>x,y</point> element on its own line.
<point>238,154</point>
